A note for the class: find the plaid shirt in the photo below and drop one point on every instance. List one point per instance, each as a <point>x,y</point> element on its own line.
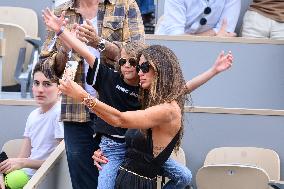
<point>119,21</point>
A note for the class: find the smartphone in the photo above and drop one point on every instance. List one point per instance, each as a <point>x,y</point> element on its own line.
<point>3,156</point>
<point>70,70</point>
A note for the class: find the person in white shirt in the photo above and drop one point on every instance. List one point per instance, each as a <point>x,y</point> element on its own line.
<point>43,130</point>
<point>200,17</point>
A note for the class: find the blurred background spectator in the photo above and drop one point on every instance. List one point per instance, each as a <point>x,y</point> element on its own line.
<point>147,9</point>
<point>264,19</point>
<point>200,17</point>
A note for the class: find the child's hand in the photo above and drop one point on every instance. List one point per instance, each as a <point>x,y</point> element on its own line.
<point>11,164</point>
<point>99,158</point>
<point>223,62</point>
<point>52,21</point>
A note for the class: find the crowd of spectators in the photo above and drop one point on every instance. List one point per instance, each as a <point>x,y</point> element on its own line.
<point>263,19</point>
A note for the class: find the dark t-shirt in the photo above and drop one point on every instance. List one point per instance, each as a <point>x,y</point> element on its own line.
<point>113,91</point>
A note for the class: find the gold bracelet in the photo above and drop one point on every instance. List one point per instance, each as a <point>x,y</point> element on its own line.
<point>90,101</point>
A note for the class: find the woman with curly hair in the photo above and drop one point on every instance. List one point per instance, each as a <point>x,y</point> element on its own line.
<point>156,130</point>
<point>152,132</point>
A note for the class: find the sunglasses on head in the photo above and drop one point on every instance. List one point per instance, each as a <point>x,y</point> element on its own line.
<point>144,67</point>
<point>131,61</point>
<point>203,20</point>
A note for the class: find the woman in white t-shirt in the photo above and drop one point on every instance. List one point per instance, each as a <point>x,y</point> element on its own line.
<point>43,130</point>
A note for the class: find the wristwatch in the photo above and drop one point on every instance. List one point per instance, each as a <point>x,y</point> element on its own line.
<point>102,45</point>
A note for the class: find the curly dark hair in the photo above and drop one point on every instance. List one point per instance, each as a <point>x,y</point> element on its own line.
<point>169,84</point>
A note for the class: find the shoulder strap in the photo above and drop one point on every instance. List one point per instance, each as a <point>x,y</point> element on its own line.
<point>150,141</point>
<point>165,154</point>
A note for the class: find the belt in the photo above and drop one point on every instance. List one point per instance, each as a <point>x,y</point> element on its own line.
<point>116,139</point>
<point>124,169</point>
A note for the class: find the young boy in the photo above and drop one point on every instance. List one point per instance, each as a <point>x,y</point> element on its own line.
<point>43,130</point>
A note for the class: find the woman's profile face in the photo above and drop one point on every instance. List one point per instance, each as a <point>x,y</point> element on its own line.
<point>146,73</point>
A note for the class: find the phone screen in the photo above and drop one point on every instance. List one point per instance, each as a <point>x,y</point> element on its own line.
<point>3,156</point>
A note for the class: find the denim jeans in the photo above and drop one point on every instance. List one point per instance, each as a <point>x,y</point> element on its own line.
<point>115,153</point>
<point>146,6</point>
<point>80,146</point>
<point>179,174</point>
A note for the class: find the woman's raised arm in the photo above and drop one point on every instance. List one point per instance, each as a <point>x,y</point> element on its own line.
<point>222,63</point>
<point>154,116</point>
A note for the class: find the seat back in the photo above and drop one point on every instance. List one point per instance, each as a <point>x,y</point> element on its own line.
<point>231,177</point>
<point>14,35</point>
<point>12,147</point>
<point>263,158</point>
<point>25,18</point>
<point>42,173</point>
<point>179,156</point>
<point>2,43</point>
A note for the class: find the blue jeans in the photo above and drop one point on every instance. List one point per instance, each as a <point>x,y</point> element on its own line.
<point>179,174</point>
<point>80,146</point>
<point>146,6</point>
<point>115,152</point>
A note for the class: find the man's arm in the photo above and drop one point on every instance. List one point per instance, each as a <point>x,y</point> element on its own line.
<point>22,160</point>
<point>88,34</point>
<point>174,18</point>
<point>230,15</point>
<point>25,150</point>
<point>210,32</point>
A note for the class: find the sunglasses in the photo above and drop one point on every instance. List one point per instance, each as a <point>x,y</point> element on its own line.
<point>144,67</point>
<point>132,61</point>
<point>203,20</point>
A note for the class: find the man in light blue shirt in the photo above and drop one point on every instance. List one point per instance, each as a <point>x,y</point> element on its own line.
<point>200,17</point>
